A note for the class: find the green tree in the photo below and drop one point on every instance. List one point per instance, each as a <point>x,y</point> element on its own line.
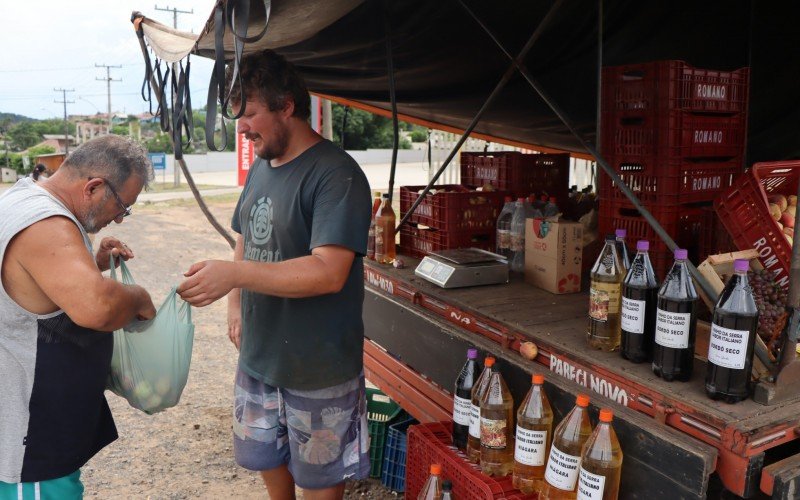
<point>364,130</point>
<point>159,144</point>
<point>24,135</point>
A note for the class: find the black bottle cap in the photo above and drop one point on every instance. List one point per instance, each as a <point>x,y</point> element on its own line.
<point>447,485</point>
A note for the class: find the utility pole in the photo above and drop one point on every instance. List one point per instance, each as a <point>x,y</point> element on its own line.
<point>175,168</point>
<point>64,101</point>
<point>108,81</point>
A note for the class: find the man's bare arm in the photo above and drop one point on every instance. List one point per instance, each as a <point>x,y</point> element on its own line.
<point>52,252</point>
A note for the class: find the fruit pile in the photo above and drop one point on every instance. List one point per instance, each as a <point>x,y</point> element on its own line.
<point>782,209</point>
<point>771,302</point>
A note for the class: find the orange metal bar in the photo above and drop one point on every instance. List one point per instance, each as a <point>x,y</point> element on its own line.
<point>447,128</point>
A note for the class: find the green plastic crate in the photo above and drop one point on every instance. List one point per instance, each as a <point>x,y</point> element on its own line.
<point>381,411</point>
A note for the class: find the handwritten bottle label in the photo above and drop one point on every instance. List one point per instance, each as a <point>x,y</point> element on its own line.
<point>562,469</point>
<point>530,447</point>
<point>672,329</point>
<point>728,348</point>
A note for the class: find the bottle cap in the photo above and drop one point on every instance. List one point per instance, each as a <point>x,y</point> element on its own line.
<point>472,354</point>
<point>385,196</point>
<point>643,245</point>
<point>377,194</point>
<point>681,254</point>
<point>436,469</point>
<point>488,361</point>
<point>538,379</point>
<point>582,400</point>
<point>543,197</point>
<point>509,199</point>
<point>521,200</point>
<point>741,265</point>
<point>611,237</point>
<point>552,199</point>
<point>606,415</point>
<point>621,233</point>
<point>447,485</point>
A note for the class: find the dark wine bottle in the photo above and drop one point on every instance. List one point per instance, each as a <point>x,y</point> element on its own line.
<point>733,337</point>
<point>639,298</point>
<point>462,399</point>
<point>676,321</point>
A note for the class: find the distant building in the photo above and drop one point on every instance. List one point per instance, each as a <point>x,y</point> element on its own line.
<point>57,141</point>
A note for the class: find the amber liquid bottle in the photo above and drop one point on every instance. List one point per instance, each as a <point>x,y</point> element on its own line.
<point>639,297</point>
<point>733,337</point>
<point>534,433</point>
<point>497,427</point>
<point>561,474</point>
<point>462,399</point>
<point>474,439</point>
<point>432,490</point>
<point>605,298</point>
<point>601,462</point>
<point>384,232</point>
<point>676,321</point>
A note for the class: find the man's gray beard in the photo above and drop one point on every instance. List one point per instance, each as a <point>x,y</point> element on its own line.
<point>89,221</point>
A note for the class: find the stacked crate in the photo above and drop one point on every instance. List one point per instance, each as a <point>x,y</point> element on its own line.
<point>450,216</point>
<point>675,134</point>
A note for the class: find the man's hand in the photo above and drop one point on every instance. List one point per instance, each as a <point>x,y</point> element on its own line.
<point>207,281</point>
<point>146,308</point>
<point>235,317</point>
<point>109,247</point>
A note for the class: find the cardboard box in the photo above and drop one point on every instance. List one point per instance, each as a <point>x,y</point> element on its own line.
<point>553,255</point>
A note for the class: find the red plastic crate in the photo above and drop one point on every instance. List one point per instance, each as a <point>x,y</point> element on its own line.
<point>674,85</point>
<point>418,242</point>
<point>669,181</point>
<point>674,134</point>
<point>519,174</point>
<point>458,209</point>
<point>432,443</point>
<point>683,223</point>
<point>743,210</point>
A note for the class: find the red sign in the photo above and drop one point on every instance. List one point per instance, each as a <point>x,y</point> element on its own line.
<point>245,156</point>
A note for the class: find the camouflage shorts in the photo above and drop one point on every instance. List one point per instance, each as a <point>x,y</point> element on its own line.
<point>322,434</point>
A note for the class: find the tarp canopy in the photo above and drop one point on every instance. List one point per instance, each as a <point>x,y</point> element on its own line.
<point>446,65</point>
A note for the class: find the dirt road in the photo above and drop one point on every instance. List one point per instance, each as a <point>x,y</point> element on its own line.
<point>186,451</point>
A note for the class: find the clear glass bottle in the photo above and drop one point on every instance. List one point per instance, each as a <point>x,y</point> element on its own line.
<point>432,490</point>
<point>561,474</point>
<point>605,298</point>
<point>676,322</point>
<point>462,399</point>
<point>622,247</point>
<point>384,232</point>
<point>474,439</point>
<point>497,427</point>
<point>639,298</point>
<point>601,462</point>
<point>503,229</point>
<point>733,337</point>
<point>518,237</point>
<point>376,204</point>
<point>532,443</point>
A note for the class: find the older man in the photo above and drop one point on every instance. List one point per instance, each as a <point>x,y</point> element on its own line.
<point>56,310</point>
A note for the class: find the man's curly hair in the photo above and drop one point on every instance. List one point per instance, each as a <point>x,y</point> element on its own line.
<point>268,76</point>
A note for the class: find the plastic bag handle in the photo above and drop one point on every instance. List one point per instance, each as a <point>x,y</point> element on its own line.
<point>127,277</point>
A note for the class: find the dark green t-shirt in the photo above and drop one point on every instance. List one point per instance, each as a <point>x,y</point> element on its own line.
<point>320,198</point>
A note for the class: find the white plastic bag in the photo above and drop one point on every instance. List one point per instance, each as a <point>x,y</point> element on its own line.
<point>151,359</point>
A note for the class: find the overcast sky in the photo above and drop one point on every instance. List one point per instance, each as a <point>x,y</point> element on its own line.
<point>48,44</point>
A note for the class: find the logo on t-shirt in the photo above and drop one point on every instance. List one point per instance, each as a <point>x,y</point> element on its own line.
<point>261,221</point>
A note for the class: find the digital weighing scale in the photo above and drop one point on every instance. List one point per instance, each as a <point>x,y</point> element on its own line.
<point>463,267</point>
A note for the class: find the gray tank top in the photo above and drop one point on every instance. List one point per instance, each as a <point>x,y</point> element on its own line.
<point>38,358</point>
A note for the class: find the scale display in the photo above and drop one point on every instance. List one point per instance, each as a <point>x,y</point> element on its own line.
<point>463,267</point>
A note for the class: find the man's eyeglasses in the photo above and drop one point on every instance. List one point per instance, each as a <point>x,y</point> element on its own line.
<point>126,211</point>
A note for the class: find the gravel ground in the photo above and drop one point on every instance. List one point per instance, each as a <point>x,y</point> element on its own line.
<point>186,451</point>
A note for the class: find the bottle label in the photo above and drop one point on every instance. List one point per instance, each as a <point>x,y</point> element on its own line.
<point>493,433</point>
<point>503,239</point>
<point>603,300</point>
<point>562,469</point>
<point>529,447</point>
<point>474,421</point>
<point>517,242</point>
<point>632,315</point>
<point>590,486</point>
<point>672,329</point>
<point>380,247</point>
<point>728,348</point>
<point>461,410</point>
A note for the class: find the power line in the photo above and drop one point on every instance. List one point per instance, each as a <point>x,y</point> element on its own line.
<point>64,101</point>
<point>108,80</point>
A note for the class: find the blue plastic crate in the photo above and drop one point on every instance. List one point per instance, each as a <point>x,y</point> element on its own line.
<point>393,474</point>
